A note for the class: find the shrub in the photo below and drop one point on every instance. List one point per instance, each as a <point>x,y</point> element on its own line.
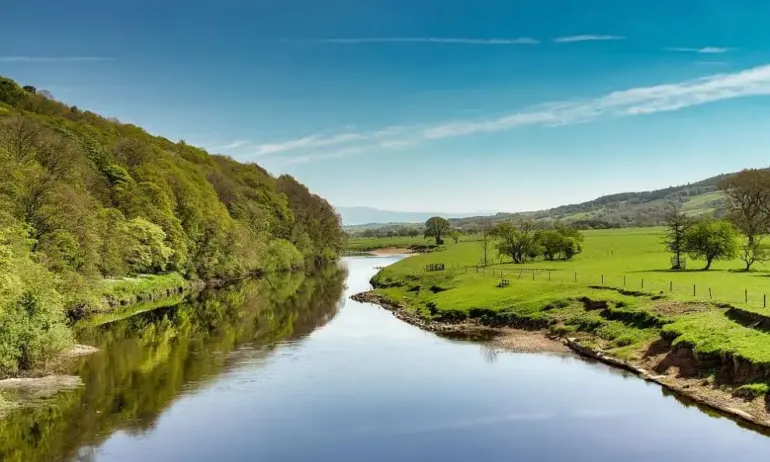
<point>282,256</point>
<point>32,322</point>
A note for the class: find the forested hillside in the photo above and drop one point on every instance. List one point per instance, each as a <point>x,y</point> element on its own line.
<point>83,198</point>
<point>647,208</point>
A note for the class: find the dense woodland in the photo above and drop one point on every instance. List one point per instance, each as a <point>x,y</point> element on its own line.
<point>83,198</point>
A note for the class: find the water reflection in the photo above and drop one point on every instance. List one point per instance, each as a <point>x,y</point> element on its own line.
<point>148,360</point>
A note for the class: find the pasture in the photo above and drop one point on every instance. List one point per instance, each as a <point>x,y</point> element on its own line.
<point>630,258</point>
<point>599,294</point>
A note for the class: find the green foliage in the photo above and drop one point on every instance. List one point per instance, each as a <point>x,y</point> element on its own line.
<point>147,251</point>
<point>32,323</point>
<point>753,390</point>
<point>99,198</point>
<point>520,242</point>
<point>435,227</point>
<point>711,240</point>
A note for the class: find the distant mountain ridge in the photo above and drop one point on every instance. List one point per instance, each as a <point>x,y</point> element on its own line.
<point>645,208</point>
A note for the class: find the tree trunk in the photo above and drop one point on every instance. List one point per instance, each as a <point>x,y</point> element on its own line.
<point>708,264</point>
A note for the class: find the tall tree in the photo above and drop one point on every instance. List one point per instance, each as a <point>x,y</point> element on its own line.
<point>487,235</point>
<point>749,192</point>
<point>711,240</point>
<point>677,224</point>
<point>436,227</point>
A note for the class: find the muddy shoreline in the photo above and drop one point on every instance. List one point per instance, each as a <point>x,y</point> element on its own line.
<point>753,413</point>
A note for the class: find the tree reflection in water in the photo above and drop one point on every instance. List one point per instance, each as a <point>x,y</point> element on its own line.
<point>146,361</point>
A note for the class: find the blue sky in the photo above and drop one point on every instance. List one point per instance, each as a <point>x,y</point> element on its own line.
<point>424,105</point>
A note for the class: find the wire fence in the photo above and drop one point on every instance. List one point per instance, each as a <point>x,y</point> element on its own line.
<point>504,276</point>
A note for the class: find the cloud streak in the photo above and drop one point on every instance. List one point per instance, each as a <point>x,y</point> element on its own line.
<point>51,59</point>
<point>624,103</point>
<point>702,51</point>
<point>587,38</point>
<point>439,40</point>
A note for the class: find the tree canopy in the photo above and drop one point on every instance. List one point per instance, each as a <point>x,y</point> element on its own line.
<point>85,197</point>
<point>436,227</point>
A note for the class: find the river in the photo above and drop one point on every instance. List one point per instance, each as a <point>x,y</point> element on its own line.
<point>291,369</point>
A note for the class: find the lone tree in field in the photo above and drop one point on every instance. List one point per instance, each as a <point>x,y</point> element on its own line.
<point>677,224</point>
<point>748,192</point>
<point>487,235</point>
<point>518,242</point>
<point>711,240</point>
<point>435,227</point>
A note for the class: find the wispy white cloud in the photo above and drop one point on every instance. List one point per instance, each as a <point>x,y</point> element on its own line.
<point>312,141</point>
<point>235,144</point>
<point>316,156</point>
<point>52,59</point>
<point>703,51</point>
<point>448,40</point>
<point>587,38</point>
<point>623,103</point>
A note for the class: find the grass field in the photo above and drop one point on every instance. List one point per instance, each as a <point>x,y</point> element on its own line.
<point>363,244</point>
<point>634,258</point>
<point>621,316</point>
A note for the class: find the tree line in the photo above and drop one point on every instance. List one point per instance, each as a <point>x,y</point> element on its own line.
<point>741,231</point>
<point>83,198</point>
<point>522,241</point>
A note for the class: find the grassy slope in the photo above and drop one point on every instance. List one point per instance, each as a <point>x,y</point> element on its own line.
<point>623,325</point>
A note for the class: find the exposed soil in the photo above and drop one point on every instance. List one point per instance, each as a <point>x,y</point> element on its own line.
<point>525,341</point>
<point>675,369</point>
<point>673,307</point>
<point>388,251</point>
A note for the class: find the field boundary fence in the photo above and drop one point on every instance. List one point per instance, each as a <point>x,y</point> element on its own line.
<point>645,283</point>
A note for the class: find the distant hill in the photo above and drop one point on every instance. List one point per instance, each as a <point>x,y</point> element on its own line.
<point>646,208</point>
<point>356,216</point>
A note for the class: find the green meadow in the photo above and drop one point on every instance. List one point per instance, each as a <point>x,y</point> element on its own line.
<point>617,295</point>
<point>363,244</point>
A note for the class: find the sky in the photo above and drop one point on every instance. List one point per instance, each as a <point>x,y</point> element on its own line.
<point>422,105</point>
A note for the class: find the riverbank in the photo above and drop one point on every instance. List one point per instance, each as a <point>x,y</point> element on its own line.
<point>674,367</point>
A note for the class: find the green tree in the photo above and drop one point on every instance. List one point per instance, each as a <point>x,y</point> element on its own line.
<point>711,240</point>
<point>748,192</point>
<point>677,225</point>
<point>147,251</point>
<point>436,227</point>
<point>518,242</point>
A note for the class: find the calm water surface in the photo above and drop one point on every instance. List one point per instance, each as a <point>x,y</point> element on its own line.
<point>291,370</point>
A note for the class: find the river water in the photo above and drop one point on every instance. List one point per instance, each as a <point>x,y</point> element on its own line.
<point>291,369</point>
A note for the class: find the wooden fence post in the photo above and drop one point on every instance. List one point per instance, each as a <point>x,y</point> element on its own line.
<point>602,279</point>
<point>549,275</point>
<point>670,286</point>
<point>642,283</point>
<point>624,280</point>
<point>764,301</point>
<point>693,290</point>
<point>533,275</point>
<point>709,293</point>
<point>746,295</point>
<point>575,276</point>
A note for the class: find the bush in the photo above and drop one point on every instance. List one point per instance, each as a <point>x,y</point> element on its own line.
<point>32,323</point>
<point>282,256</point>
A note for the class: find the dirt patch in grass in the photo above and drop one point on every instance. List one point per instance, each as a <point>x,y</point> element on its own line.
<point>676,308</point>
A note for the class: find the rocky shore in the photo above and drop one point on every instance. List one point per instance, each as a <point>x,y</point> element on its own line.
<point>702,392</point>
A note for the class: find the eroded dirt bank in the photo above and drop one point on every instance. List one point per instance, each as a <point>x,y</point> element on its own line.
<point>675,369</point>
